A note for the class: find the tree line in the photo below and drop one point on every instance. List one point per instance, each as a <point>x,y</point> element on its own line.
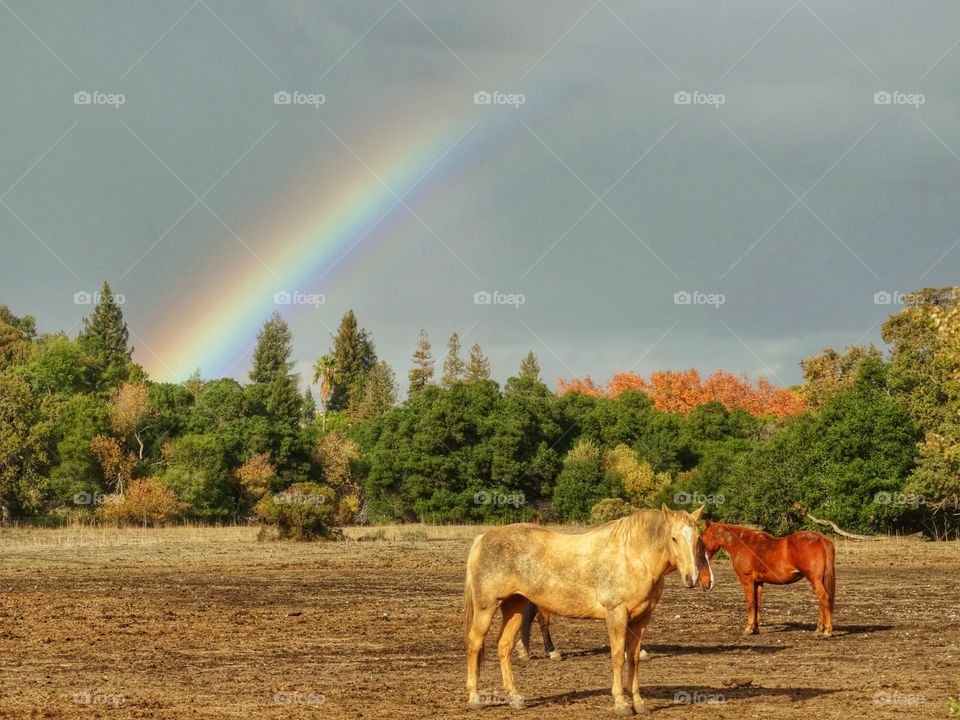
<point>870,440</point>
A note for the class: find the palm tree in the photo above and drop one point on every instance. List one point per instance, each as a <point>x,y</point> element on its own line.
<point>324,371</point>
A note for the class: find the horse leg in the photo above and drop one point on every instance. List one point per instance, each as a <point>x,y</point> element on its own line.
<point>824,621</point>
<point>749,590</point>
<point>475,636</point>
<point>548,647</point>
<point>633,651</point>
<point>617,628</point>
<point>759,603</point>
<point>512,609</point>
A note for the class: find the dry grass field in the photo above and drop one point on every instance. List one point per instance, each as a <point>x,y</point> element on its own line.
<point>208,622</point>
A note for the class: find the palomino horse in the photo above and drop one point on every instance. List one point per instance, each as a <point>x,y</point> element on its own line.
<point>531,612</point>
<point>614,572</point>
<point>759,558</point>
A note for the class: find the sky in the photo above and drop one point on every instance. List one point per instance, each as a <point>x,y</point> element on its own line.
<point>613,185</point>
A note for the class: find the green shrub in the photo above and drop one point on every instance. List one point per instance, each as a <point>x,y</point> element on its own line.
<point>304,511</point>
<point>610,509</point>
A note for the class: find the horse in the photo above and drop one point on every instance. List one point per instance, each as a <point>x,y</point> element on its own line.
<point>614,572</point>
<point>759,557</point>
<point>531,612</point>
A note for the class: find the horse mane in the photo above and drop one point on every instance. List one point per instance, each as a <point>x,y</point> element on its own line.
<point>741,530</point>
<point>644,527</point>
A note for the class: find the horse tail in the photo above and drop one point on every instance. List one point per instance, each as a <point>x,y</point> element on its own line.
<point>829,573</point>
<point>469,603</point>
<point>529,613</point>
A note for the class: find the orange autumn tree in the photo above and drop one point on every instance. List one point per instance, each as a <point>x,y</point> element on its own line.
<point>682,391</point>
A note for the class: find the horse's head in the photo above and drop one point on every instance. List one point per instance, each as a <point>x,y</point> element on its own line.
<point>711,537</point>
<point>687,550</point>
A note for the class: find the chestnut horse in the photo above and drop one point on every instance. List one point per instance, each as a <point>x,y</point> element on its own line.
<point>614,572</point>
<point>759,557</point>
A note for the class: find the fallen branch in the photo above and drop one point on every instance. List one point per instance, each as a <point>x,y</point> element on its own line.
<point>838,531</point>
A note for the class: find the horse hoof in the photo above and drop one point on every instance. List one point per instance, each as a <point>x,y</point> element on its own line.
<point>518,702</point>
<point>556,655</point>
<point>644,655</point>
<point>641,708</point>
<point>475,705</point>
<point>623,710</point>
<point>827,633</point>
<point>750,631</point>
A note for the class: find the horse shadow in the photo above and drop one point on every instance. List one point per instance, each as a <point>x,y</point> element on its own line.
<point>838,630</point>
<point>683,696</point>
<point>657,650</point>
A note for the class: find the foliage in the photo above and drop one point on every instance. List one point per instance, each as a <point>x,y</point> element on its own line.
<point>146,502</point>
<point>610,509</point>
<point>582,483</point>
<point>421,373</point>
<point>304,511</point>
<point>353,357</point>
<point>453,366</point>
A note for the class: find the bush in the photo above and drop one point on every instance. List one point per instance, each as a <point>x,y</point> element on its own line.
<point>610,509</point>
<point>146,502</point>
<point>304,511</point>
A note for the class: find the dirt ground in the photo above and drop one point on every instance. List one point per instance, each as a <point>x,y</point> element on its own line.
<point>189,622</point>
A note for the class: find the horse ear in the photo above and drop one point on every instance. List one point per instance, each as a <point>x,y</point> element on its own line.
<point>666,510</point>
<point>707,522</point>
<point>697,513</point>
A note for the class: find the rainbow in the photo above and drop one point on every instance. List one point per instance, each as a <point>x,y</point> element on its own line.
<point>230,304</point>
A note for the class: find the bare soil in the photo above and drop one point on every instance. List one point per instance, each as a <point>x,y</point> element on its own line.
<point>194,622</point>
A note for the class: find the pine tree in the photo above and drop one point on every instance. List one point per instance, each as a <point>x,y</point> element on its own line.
<point>422,371</point>
<point>106,338</point>
<point>308,406</point>
<point>272,353</point>
<point>379,393</point>
<point>354,356</point>
<point>453,365</point>
<point>478,367</point>
<point>530,368</point>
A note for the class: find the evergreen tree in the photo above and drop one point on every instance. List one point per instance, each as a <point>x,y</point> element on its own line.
<point>530,368</point>
<point>106,339</point>
<point>453,365</point>
<point>379,393</point>
<point>309,406</point>
<point>478,367</point>
<point>354,356</point>
<point>272,353</point>
<point>422,371</point>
